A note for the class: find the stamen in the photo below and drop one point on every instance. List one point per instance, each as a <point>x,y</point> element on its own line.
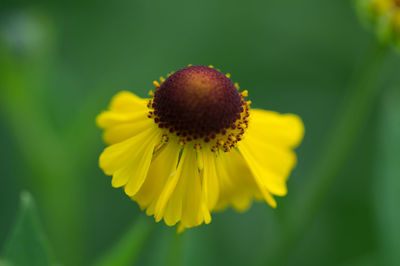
<point>165,138</point>
<point>156,84</point>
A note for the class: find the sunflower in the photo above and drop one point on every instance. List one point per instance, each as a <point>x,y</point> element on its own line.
<point>196,147</point>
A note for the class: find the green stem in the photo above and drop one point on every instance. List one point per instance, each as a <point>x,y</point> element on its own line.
<point>343,136</point>
<point>175,257</point>
<point>127,249</point>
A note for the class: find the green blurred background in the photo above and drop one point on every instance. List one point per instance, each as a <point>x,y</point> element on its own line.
<point>62,61</point>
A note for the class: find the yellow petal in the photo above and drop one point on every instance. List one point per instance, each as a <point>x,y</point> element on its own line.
<point>168,190</point>
<point>261,177</point>
<point>121,132</point>
<point>206,212</point>
<point>210,179</point>
<point>192,213</point>
<point>126,117</point>
<point>107,119</point>
<point>181,199</point>
<point>267,149</point>
<point>128,161</point>
<point>241,203</point>
<point>283,130</point>
<point>162,166</point>
<point>125,102</point>
<point>180,228</point>
<point>276,161</point>
<point>237,186</point>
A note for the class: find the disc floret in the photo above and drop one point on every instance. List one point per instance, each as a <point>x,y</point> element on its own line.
<point>200,105</point>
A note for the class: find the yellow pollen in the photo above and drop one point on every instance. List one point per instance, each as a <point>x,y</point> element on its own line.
<point>237,85</point>
<point>245,93</point>
<point>197,146</point>
<point>232,138</point>
<point>162,79</point>
<point>211,66</point>
<point>228,75</point>
<point>151,93</point>
<point>165,138</point>
<point>156,84</point>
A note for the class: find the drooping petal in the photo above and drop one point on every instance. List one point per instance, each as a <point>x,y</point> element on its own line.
<point>107,119</point>
<point>267,149</point>
<point>282,130</point>
<point>162,167</point>
<point>140,164</point>
<point>126,117</point>
<point>181,199</point>
<point>237,186</point>
<point>125,102</point>
<point>260,177</point>
<point>276,161</point>
<point>192,201</point>
<point>210,179</point>
<point>123,131</point>
<point>168,189</point>
<point>129,161</point>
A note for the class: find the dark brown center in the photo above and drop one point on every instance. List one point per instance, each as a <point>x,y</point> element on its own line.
<point>197,101</point>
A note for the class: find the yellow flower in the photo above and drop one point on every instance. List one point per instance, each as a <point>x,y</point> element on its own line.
<point>196,147</point>
<point>385,17</point>
<point>383,6</point>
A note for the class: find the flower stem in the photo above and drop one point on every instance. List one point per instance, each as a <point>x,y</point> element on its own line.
<point>127,250</point>
<point>175,257</point>
<point>343,136</point>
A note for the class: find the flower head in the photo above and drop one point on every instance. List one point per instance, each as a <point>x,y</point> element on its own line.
<point>199,104</point>
<point>196,147</point>
<point>384,15</point>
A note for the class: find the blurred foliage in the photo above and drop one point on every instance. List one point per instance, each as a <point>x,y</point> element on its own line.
<point>381,16</point>
<point>387,194</point>
<point>61,61</point>
<point>27,244</point>
<point>127,251</point>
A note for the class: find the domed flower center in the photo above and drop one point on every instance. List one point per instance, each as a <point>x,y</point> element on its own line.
<point>199,102</point>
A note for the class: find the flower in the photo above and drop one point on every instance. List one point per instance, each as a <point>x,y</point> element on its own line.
<point>197,147</point>
<point>384,15</point>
